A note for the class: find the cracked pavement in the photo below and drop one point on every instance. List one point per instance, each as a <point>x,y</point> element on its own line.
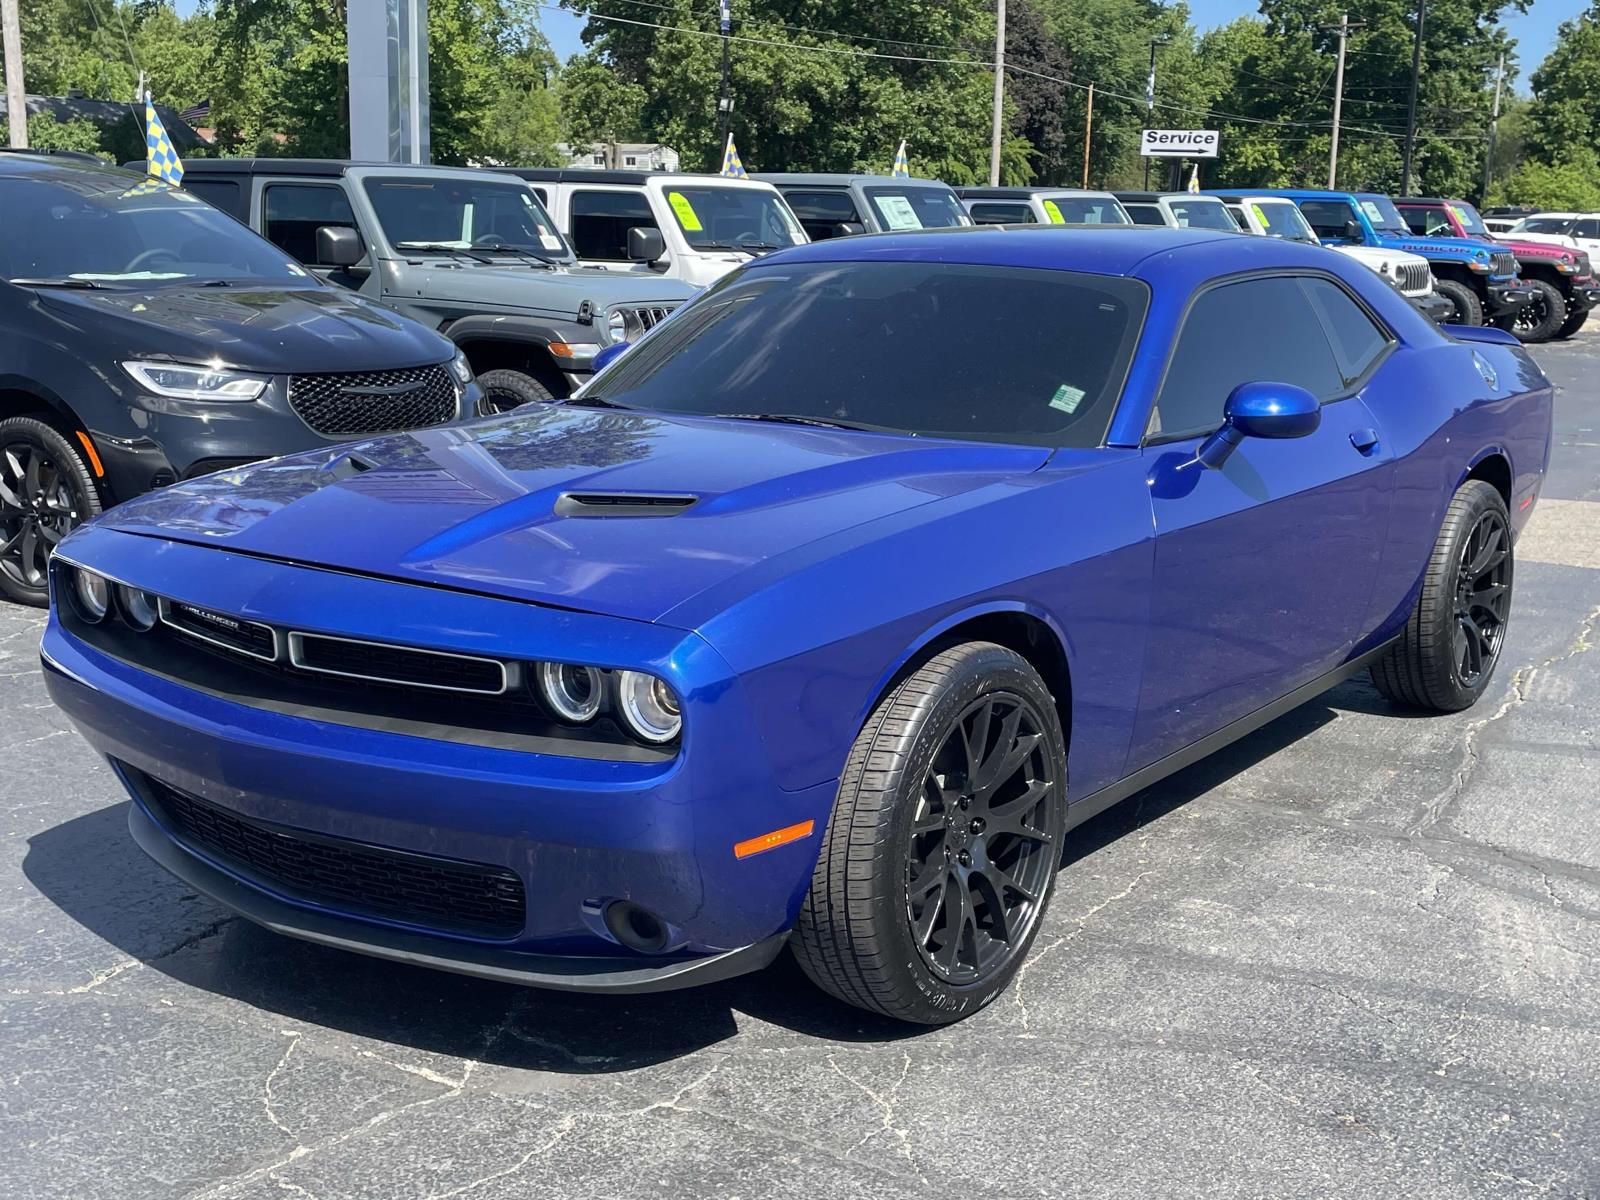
<point>1357,954</point>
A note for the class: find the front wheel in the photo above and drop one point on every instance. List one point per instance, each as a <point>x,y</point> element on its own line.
<point>944,842</point>
<point>1572,324</point>
<point>1540,319</point>
<point>1466,308</point>
<point>46,491</point>
<point>1452,642</point>
<point>505,389</point>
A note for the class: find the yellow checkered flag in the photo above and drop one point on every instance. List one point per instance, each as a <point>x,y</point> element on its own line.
<point>161,160</point>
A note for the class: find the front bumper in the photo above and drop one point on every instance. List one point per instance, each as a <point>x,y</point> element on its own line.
<point>1507,298</point>
<point>1584,296</point>
<point>580,833</point>
<point>1433,306</point>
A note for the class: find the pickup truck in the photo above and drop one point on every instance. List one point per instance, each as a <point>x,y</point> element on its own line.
<point>1273,216</point>
<point>1561,278</point>
<point>1478,277</point>
<point>468,253</point>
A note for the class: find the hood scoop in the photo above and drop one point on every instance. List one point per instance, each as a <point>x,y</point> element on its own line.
<point>622,504</point>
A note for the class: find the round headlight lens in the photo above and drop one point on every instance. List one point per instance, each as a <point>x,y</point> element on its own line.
<point>617,327</point>
<point>93,593</point>
<point>572,692</point>
<point>649,706</point>
<point>138,607</point>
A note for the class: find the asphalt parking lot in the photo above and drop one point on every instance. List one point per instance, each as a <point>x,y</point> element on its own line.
<point>1358,954</point>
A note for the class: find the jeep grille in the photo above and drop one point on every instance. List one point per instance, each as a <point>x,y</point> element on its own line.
<point>638,320</point>
<point>1503,262</point>
<point>1414,279</point>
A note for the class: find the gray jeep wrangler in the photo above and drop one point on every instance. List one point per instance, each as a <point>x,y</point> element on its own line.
<point>469,253</point>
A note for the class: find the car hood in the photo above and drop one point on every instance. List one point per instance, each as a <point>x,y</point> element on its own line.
<point>480,507</point>
<point>1530,249</point>
<point>559,292</point>
<point>272,329</point>
<point>1547,243</point>
<point>1375,257</point>
<point>1433,247</point>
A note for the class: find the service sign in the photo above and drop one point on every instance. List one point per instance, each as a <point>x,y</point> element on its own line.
<point>1178,143</point>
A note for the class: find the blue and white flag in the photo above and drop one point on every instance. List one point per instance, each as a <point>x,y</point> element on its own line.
<point>731,166</point>
<point>161,160</point>
<point>1194,178</point>
<point>901,169</point>
<point>724,18</point>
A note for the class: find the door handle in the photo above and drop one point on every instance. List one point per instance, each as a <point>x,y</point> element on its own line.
<point>1364,440</point>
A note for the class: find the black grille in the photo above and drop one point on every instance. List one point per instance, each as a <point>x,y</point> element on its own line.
<point>397,664</point>
<point>641,319</point>
<point>1503,262</point>
<point>1414,278</point>
<point>248,637</point>
<point>436,893</point>
<point>374,401</point>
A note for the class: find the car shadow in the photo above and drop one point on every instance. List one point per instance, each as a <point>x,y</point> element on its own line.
<point>90,868</point>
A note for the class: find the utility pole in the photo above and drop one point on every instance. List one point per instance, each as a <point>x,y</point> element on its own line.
<point>1338,101</point>
<point>1150,98</point>
<point>724,100</point>
<point>999,91</point>
<point>1411,105</point>
<point>1088,129</point>
<point>16,93</point>
<point>1494,123</point>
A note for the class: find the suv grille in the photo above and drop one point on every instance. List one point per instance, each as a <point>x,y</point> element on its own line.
<point>1414,278</point>
<point>436,893</point>
<point>1503,262</point>
<point>374,401</point>
<point>640,320</point>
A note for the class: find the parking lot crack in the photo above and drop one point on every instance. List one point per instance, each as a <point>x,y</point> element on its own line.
<point>885,1103</point>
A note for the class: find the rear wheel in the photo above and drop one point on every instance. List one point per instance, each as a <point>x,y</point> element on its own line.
<point>505,389</point>
<point>46,491</point>
<point>1572,324</point>
<point>944,842</point>
<point>1541,317</point>
<point>1452,642</point>
<point>1467,308</point>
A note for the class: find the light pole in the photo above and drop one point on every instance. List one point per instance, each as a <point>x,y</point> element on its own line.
<point>16,93</point>
<point>1494,122</point>
<point>999,91</point>
<point>1150,97</point>
<point>724,101</point>
<point>1411,105</point>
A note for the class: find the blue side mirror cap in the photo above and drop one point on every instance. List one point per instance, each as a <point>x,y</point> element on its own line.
<point>609,355</point>
<point>1261,410</point>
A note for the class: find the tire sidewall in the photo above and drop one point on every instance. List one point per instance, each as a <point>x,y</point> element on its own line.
<point>1468,308</point>
<point>1481,499</point>
<point>1555,313</point>
<point>993,669</point>
<point>518,385</point>
<point>67,458</point>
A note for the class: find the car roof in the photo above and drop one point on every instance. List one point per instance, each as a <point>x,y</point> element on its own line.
<point>839,179</point>
<point>1241,196</point>
<point>1425,200</point>
<point>24,163</point>
<point>596,175</point>
<point>327,168</point>
<point>1022,193</point>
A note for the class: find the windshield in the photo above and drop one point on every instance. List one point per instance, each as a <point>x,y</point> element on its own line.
<point>101,228</point>
<point>1084,210</point>
<point>1544,225</point>
<point>1468,216</point>
<point>714,217</point>
<point>464,214</point>
<point>1283,220</point>
<point>1197,213</point>
<point>1383,214</point>
<point>917,207</point>
<point>888,345</point>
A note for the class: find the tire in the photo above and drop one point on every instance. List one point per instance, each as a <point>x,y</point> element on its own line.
<point>46,491</point>
<point>910,806</point>
<point>1468,308</point>
<point>1446,656</point>
<point>505,389</point>
<point>1572,324</point>
<point>1540,318</point>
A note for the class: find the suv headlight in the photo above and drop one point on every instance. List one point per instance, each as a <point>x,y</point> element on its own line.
<point>178,381</point>
<point>617,326</point>
<point>461,368</point>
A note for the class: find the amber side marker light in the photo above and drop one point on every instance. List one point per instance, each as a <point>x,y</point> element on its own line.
<point>94,458</point>
<point>768,841</point>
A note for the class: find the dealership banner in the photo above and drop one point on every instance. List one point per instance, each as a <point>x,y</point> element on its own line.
<point>1178,143</point>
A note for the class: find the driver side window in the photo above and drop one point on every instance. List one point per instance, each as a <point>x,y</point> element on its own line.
<point>294,211</point>
<point>1253,331</point>
<point>1327,218</point>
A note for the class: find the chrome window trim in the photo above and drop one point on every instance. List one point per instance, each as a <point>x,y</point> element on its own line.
<point>163,611</point>
<point>297,660</point>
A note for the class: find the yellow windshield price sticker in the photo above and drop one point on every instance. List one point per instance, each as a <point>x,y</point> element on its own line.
<point>1054,213</point>
<point>1261,216</point>
<point>687,217</point>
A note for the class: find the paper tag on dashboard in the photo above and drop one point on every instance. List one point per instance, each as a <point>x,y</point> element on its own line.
<point>1067,398</point>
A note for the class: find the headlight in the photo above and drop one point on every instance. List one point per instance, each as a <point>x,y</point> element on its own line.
<point>617,327</point>
<point>138,607</point>
<point>93,593</point>
<point>461,368</point>
<point>178,382</point>
<point>649,706</point>
<point>572,692</point>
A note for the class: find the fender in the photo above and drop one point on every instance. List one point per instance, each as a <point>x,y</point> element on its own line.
<point>533,331</point>
<point>15,385</point>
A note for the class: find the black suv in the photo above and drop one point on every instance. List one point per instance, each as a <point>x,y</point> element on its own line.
<point>146,337</point>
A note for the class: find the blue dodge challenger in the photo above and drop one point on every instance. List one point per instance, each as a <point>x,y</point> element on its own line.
<point>817,619</point>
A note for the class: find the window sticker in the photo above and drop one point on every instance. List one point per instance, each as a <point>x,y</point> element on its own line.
<point>1460,213</point>
<point>1054,213</point>
<point>1261,216</point>
<point>1067,397</point>
<point>1374,213</point>
<point>898,213</point>
<point>687,217</point>
<point>549,241</point>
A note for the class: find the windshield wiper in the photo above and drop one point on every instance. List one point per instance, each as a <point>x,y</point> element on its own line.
<point>63,282</point>
<point>440,248</point>
<point>795,419</point>
<point>527,252</point>
<point>592,402</point>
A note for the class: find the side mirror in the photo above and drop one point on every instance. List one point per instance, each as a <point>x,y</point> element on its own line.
<point>611,353</point>
<point>645,244</point>
<point>1353,231</point>
<point>339,246</point>
<point>1261,410</point>
<point>846,229</point>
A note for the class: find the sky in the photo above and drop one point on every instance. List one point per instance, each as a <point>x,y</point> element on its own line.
<point>1534,30</point>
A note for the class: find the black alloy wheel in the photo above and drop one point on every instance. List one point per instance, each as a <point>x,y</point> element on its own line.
<point>1483,598</point>
<point>45,492</point>
<point>1541,318</point>
<point>981,851</point>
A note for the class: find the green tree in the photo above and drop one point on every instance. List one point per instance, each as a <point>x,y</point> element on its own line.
<point>1571,185</point>
<point>47,133</point>
<point>1564,118</point>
